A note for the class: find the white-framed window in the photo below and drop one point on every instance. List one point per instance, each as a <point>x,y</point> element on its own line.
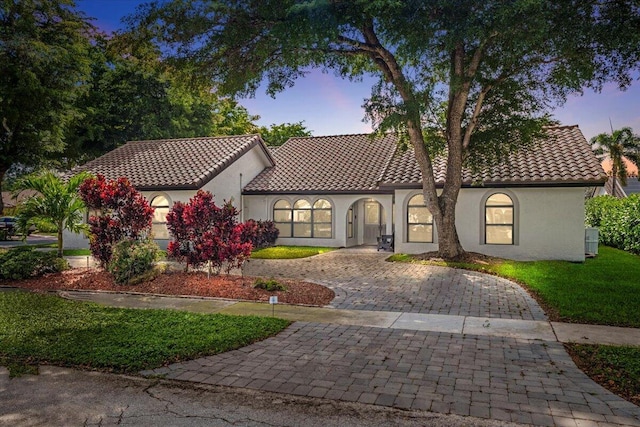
<point>419,221</point>
<point>350,218</point>
<point>283,217</point>
<point>159,221</point>
<point>303,219</point>
<point>499,220</point>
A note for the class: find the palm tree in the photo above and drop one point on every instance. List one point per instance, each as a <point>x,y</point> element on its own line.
<point>618,145</point>
<point>57,203</point>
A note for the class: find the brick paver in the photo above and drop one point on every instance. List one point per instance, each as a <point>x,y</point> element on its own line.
<point>500,378</point>
<point>364,281</point>
<point>489,377</point>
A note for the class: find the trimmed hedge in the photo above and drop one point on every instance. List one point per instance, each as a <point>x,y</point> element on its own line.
<point>617,219</point>
<point>132,259</point>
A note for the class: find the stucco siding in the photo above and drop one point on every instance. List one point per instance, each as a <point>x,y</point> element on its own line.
<point>548,223</point>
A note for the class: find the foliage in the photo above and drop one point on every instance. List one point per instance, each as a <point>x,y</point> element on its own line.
<point>260,233</point>
<point>43,64</point>
<point>134,96</point>
<point>616,368</point>
<point>122,213</point>
<point>24,262</point>
<point>203,233</point>
<point>618,221</point>
<point>67,333</point>
<point>620,144</point>
<point>476,78</point>
<point>603,290</point>
<point>276,135</point>
<point>289,252</point>
<point>270,285</point>
<point>132,259</point>
<point>56,204</point>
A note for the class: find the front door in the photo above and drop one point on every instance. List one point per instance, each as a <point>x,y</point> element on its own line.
<point>374,222</point>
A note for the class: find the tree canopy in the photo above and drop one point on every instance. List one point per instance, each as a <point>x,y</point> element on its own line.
<point>467,79</point>
<point>44,62</point>
<point>277,135</point>
<point>617,146</point>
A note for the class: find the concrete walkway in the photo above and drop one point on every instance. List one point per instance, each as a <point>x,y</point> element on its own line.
<point>412,337</point>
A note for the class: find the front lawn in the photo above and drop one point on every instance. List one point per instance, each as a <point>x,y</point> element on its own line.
<point>46,329</point>
<point>289,252</point>
<point>603,290</point>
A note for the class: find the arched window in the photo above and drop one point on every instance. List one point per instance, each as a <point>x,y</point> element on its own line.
<point>419,221</point>
<point>321,218</point>
<point>303,219</point>
<point>282,217</point>
<point>498,214</point>
<point>159,222</point>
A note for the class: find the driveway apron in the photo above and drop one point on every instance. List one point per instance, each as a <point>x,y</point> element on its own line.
<point>501,378</point>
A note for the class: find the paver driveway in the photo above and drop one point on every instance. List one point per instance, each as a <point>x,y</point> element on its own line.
<point>362,280</point>
<point>517,380</point>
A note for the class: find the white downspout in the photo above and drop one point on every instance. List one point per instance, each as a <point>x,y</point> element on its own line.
<point>241,201</point>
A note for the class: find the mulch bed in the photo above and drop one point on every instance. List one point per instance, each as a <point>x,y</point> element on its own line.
<point>180,283</point>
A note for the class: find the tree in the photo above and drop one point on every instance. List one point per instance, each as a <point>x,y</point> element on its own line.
<point>57,203</point>
<point>467,80</point>
<point>619,144</point>
<point>120,213</point>
<point>132,95</point>
<point>276,135</point>
<point>43,63</point>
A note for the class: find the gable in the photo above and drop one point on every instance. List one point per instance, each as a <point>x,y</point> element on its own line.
<point>174,164</point>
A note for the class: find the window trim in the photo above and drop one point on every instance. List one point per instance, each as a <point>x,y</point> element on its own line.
<point>153,220</point>
<point>514,220</point>
<point>312,223</point>
<point>408,224</point>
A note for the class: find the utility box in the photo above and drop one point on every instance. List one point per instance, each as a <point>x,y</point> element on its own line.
<point>591,237</point>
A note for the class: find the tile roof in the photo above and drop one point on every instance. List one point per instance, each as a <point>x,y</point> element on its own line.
<point>186,163</point>
<point>563,158</point>
<point>354,163</point>
<point>342,163</point>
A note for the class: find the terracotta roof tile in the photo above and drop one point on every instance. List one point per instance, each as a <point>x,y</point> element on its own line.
<point>354,163</point>
<point>186,163</point>
<point>342,163</point>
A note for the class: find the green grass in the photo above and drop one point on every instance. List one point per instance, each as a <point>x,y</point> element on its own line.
<point>289,252</point>
<point>616,368</point>
<point>603,290</point>
<point>76,252</point>
<point>36,329</point>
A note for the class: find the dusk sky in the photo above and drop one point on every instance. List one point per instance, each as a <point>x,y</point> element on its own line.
<point>329,105</point>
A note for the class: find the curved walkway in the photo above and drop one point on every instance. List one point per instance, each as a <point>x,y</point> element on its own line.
<point>518,380</point>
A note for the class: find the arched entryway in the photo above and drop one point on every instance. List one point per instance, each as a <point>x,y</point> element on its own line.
<point>366,221</point>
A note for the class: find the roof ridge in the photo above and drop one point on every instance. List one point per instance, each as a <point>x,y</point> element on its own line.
<point>193,138</point>
<point>561,126</point>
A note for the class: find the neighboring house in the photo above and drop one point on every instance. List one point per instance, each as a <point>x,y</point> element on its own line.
<point>348,190</point>
<point>632,186</point>
<point>11,203</point>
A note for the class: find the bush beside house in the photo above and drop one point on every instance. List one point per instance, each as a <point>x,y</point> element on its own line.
<point>617,219</point>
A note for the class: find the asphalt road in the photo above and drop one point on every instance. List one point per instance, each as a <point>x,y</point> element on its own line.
<point>34,239</point>
<point>66,397</point>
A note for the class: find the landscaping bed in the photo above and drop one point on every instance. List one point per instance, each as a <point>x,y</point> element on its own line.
<point>180,283</point>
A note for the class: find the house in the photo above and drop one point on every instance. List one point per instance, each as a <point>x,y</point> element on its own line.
<point>348,190</point>
<point>619,190</point>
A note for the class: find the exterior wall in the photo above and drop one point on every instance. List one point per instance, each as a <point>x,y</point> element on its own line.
<point>260,207</point>
<point>548,223</point>
<point>225,186</point>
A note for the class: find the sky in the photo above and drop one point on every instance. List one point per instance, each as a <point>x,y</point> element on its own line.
<point>330,105</point>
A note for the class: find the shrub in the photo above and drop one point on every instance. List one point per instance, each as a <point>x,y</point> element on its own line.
<point>123,213</point>
<point>261,234</point>
<point>203,233</point>
<point>24,262</point>
<point>270,285</point>
<point>133,260</point>
<point>617,219</point>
